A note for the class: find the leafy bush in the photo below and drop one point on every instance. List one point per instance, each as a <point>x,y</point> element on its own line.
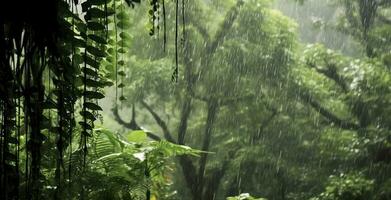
<point>347,187</point>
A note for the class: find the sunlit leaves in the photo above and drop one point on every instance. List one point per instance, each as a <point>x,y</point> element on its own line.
<point>136,136</point>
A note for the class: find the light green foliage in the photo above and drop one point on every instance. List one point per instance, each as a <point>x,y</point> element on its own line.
<point>347,187</point>
<point>123,168</point>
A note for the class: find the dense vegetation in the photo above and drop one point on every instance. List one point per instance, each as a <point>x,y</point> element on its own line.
<point>195,99</point>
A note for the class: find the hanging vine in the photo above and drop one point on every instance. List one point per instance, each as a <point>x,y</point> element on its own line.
<point>53,64</point>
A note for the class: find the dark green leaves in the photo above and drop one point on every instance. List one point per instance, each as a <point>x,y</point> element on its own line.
<point>90,72</point>
<point>85,125</point>
<point>96,13</point>
<point>97,39</point>
<point>92,106</point>
<point>88,115</point>
<point>95,26</point>
<point>121,73</point>
<point>95,51</point>
<point>93,83</point>
<point>91,62</point>
<point>93,95</point>
<point>121,62</point>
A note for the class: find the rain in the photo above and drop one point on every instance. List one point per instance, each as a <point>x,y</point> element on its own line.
<point>196,100</point>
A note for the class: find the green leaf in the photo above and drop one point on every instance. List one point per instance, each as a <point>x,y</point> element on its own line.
<point>121,73</point>
<point>92,62</point>
<point>121,85</point>
<point>108,83</point>
<point>123,24</point>
<point>95,51</point>
<point>81,26</point>
<point>121,62</point>
<point>93,95</point>
<point>138,136</point>
<point>109,59</point>
<point>78,42</point>
<point>85,6</point>
<point>124,43</point>
<point>85,125</point>
<point>122,15</point>
<point>90,72</point>
<point>110,51</point>
<point>125,36</point>
<point>122,98</point>
<point>95,26</point>
<point>92,106</point>
<point>93,83</point>
<point>122,50</point>
<point>97,39</point>
<point>96,13</point>
<point>88,115</point>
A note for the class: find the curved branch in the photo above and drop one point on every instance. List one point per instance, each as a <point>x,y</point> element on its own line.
<point>160,122</point>
<point>133,124</point>
<point>344,124</point>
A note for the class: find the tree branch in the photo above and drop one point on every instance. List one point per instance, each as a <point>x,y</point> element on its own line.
<point>344,124</point>
<point>263,125</point>
<point>210,119</point>
<point>225,26</point>
<point>331,73</point>
<point>132,125</point>
<point>160,122</point>
<point>214,180</point>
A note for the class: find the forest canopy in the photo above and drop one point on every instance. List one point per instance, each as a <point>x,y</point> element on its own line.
<point>195,99</point>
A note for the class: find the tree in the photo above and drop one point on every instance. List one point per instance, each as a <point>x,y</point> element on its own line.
<point>226,64</point>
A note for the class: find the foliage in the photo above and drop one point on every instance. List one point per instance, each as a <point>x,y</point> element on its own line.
<point>244,196</point>
<point>347,186</point>
<point>272,116</point>
<point>52,76</point>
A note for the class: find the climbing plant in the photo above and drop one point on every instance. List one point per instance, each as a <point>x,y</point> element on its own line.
<point>51,80</point>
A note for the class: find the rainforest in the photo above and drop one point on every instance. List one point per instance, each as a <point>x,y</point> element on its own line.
<point>195,100</point>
